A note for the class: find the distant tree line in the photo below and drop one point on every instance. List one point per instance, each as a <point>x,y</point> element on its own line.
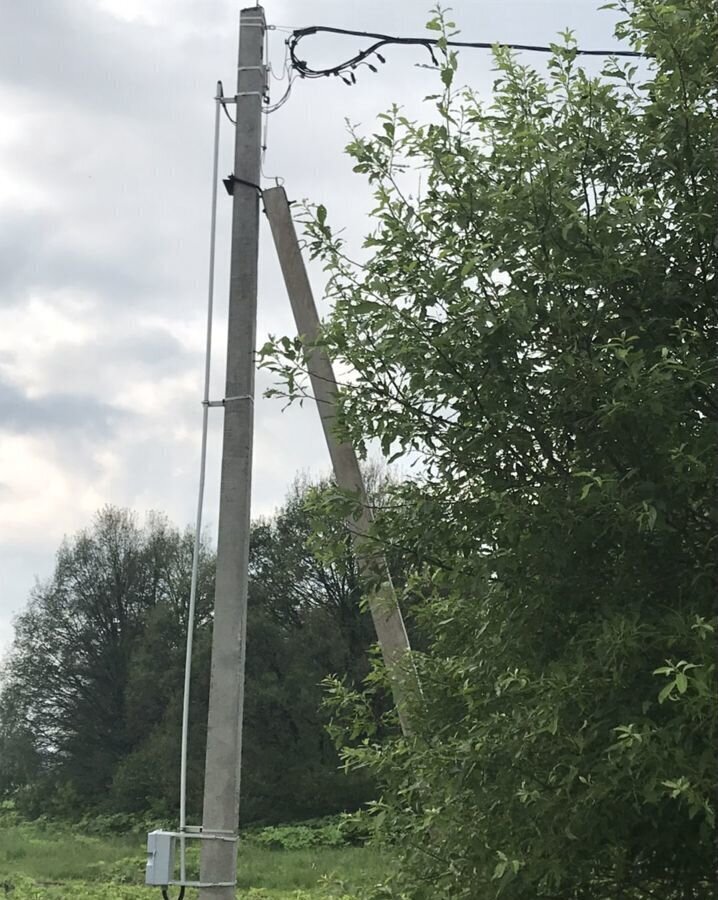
<point>91,697</point>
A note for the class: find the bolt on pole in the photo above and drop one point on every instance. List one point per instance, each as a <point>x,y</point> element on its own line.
<point>226,697</point>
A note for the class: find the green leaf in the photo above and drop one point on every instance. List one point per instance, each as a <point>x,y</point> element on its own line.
<point>500,869</point>
<point>666,692</point>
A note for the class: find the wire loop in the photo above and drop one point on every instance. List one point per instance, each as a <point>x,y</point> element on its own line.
<point>383,40</point>
<point>166,895</point>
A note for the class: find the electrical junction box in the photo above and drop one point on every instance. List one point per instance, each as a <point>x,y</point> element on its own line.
<point>160,858</point>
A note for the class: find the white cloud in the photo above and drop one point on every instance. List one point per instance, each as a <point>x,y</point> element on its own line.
<point>132,11</point>
<point>41,499</point>
<point>32,336</point>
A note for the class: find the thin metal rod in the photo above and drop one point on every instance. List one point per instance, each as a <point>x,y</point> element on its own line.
<point>200,491</point>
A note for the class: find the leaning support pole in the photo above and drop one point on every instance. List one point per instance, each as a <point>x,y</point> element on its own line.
<point>226,695</point>
<point>373,568</point>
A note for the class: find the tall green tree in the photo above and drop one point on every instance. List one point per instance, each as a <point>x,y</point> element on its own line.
<point>91,699</point>
<point>305,623</point>
<point>538,326</point>
<point>74,678</point>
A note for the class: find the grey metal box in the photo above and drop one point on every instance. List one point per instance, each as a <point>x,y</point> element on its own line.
<point>160,858</point>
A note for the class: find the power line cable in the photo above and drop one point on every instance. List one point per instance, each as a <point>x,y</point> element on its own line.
<point>285,96</point>
<point>383,40</point>
<point>222,100</point>
<point>286,68</point>
<point>227,112</point>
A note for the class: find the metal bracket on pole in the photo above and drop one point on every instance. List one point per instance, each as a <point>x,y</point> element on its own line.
<point>227,400</point>
<point>373,567</point>
<point>198,833</point>
<point>230,181</point>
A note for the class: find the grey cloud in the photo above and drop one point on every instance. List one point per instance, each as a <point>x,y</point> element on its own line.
<point>73,51</point>
<point>32,258</point>
<point>56,412</point>
<point>117,356</point>
<point>155,350</point>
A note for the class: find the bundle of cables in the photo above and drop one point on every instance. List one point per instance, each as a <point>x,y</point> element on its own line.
<point>345,70</point>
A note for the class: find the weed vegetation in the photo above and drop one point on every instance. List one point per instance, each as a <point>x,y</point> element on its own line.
<point>46,861</point>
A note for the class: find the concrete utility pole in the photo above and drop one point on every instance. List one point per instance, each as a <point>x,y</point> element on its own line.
<point>226,697</point>
<point>373,568</point>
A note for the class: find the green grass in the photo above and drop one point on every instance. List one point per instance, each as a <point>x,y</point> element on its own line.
<point>45,854</point>
<point>341,869</point>
<point>38,863</point>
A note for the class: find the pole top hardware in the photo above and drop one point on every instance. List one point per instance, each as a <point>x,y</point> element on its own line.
<point>230,181</point>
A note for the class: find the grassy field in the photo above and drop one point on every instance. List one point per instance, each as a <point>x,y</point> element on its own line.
<point>40,863</point>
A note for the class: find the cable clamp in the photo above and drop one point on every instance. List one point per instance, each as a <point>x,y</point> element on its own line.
<point>209,834</point>
<point>250,93</point>
<point>225,401</point>
<point>251,68</point>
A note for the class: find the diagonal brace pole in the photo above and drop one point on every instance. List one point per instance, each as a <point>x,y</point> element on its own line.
<point>373,568</point>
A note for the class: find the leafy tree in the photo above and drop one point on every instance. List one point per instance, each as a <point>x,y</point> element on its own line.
<point>74,681</point>
<point>538,327</point>
<point>305,622</point>
<point>90,708</point>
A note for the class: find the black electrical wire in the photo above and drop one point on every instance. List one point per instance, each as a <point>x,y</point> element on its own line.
<point>223,102</point>
<point>285,96</point>
<point>180,896</point>
<point>226,112</point>
<point>383,40</point>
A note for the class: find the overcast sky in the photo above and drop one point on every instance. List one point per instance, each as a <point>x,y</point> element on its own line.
<point>105,147</point>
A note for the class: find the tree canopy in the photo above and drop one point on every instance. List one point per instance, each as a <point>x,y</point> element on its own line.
<point>90,706</point>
